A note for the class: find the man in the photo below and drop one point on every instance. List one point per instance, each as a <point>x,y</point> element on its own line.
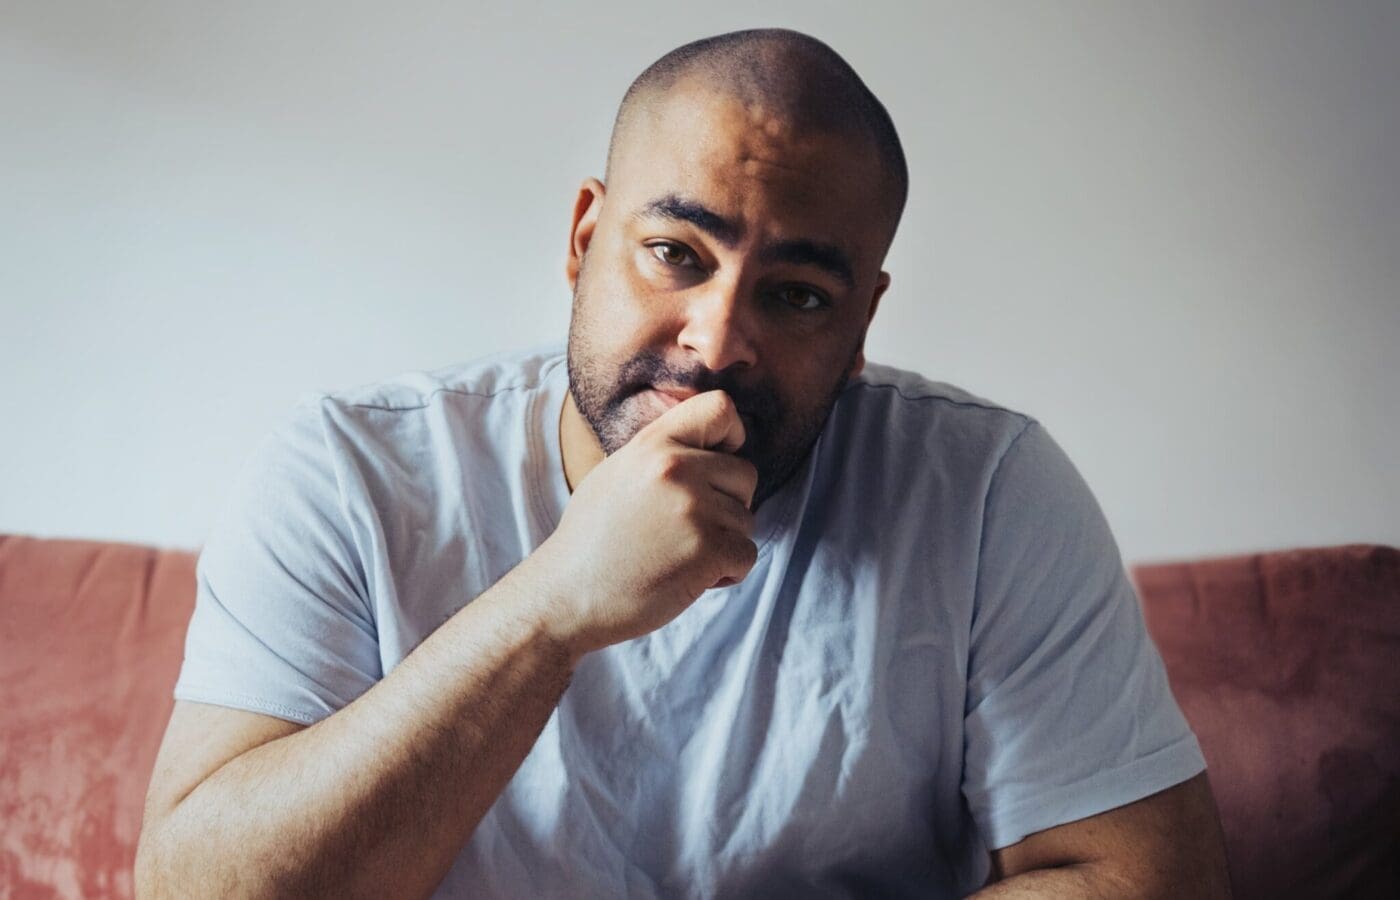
<point>701,605</point>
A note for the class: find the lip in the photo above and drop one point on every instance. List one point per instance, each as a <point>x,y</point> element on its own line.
<point>667,398</point>
<point>672,396</point>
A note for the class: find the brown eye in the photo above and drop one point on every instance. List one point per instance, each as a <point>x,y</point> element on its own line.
<point>670,254</point>
<point>802,299</point>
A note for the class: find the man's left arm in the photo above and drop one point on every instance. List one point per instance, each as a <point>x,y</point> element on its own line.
<point>1166,845</point>
<point>1079,769</point>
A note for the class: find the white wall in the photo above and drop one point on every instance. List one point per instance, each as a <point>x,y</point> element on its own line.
<point>1170,231</point>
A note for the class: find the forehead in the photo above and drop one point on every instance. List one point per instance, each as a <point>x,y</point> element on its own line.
<point>751,162</point>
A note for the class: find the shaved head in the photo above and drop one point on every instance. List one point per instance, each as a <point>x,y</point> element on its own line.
<point>754,185</point>
<point>798,82</point>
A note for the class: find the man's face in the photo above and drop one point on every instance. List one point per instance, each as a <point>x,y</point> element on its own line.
<point>731,253</point>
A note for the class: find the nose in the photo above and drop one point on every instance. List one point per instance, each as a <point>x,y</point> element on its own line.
<point>718,327</point>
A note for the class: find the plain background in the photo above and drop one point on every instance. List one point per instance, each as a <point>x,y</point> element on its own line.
<point>1171,232</point>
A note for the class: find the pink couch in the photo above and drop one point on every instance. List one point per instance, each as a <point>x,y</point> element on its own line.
<point>1287,665</point>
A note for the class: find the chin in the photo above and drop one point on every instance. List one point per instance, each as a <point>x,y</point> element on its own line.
<point>619,430</point>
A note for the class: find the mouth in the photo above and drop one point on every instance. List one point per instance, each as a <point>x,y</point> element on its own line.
<point>667,397</point>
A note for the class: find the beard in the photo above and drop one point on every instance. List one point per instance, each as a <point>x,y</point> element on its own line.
<point>778,435</point>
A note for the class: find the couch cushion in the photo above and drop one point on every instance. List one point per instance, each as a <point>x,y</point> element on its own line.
<point>91,639</point>
<point>1287,665</point>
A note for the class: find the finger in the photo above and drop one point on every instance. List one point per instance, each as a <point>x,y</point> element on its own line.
<point>741,553</point>
<point>733,476</point>
<point>728,475</point>
<point>733,515</point>
<point>708,421</point>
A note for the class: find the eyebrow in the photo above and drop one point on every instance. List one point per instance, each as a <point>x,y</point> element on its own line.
<point>798,251</point>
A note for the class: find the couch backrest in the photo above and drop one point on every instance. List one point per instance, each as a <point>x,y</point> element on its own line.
<point>1287,665</point>
<point>91,641</point>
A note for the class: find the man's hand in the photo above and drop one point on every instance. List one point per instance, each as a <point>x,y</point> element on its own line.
<point>655,525</point>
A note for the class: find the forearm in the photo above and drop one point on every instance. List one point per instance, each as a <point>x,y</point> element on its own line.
<point>1079,881</point>
<point>378,798</point>
<point>1168,844</point>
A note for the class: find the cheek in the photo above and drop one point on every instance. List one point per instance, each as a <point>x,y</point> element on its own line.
<point>613,304</point>
<point>637,311</point>
<point>809,379</point>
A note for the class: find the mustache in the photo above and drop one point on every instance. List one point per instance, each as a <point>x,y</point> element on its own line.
<point>643,371</point>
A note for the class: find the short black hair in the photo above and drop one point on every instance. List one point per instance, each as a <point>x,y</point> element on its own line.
<point>791,72</point>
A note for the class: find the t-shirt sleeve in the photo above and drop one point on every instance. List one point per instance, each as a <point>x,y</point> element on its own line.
<point>282,624</point>
<point>1069,712</point>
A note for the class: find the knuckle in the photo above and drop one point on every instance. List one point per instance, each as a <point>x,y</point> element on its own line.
<point>689,508</point>
<point>725,403</point>
<point>668,467</point>
<point>693,542</point>
<point>747,553</point>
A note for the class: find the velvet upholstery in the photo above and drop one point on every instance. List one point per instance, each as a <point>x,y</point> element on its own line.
<point>91,639</point>
<point>1287,665</point>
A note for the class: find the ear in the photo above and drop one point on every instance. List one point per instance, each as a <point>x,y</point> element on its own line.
<point>882,283</point>
<point>587,207</point>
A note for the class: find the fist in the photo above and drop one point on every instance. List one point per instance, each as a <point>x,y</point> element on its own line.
<point>655,525</point>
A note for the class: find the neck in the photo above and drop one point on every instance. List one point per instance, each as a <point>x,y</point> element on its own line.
<point>577,443</point>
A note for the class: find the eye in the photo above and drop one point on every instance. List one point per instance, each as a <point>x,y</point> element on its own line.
<point>802,299</point>
<point>670,253</point>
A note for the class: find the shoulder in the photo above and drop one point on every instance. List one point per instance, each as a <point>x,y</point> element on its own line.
<point>410,411</point>
<point>495,375</point>
<point>889,410</point>
<point>413,431</point>
<point>1008,458</point>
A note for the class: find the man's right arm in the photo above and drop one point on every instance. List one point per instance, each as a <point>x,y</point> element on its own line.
<point>378,798</point>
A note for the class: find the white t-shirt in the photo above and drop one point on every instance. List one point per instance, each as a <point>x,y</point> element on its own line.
<point>937,652</point>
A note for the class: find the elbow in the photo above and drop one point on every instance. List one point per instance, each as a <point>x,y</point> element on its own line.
<point>174,861</point>
<point>149,877</point>
<point>167,867</point>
